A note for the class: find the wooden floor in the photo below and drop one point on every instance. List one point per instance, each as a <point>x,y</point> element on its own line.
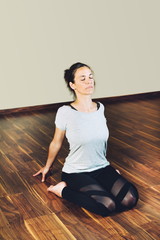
<point>29,212</point>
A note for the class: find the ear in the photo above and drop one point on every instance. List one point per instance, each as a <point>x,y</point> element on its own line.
<point>72,85</point>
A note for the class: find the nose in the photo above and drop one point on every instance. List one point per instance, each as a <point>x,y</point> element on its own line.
<point>90,80</point>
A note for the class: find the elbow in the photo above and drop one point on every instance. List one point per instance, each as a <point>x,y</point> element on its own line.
<point>55,145</point>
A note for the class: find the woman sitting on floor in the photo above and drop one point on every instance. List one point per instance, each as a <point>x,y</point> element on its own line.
<point>88,179</point>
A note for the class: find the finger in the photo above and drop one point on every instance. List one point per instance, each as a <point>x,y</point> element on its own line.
<point>37,173</point>
<point>43,177</point>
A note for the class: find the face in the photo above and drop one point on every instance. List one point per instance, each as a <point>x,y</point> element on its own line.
<point>83,81</point>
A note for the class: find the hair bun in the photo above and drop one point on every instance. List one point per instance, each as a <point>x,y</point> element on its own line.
<point>67,74</point>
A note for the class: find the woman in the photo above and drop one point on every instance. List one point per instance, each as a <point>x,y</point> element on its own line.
<point>88,179</point>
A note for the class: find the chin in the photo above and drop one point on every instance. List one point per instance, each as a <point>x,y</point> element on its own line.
<point>89,93</point>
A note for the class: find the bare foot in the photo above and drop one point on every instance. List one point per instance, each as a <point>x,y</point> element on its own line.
<point>57,189</point>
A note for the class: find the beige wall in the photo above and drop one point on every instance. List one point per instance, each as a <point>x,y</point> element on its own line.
<point>119,39</point>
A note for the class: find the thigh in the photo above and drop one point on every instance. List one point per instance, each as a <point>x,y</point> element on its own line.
<point>116,184</point>
<point>84,189</point>
<point>107,177</point>
<point>77,181</point>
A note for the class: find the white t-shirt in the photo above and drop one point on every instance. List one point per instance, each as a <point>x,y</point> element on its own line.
<point>87,134</point>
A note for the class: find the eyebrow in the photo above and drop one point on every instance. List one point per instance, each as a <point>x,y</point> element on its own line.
<point>85,75</point>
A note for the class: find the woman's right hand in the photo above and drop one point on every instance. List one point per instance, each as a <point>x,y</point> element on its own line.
<point>42,171</point>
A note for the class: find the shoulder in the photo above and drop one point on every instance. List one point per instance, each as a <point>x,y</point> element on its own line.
<point>63,109</point>
<point>61,117</point>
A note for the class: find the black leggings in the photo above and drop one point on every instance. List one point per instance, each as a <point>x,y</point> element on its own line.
<point>103,191</point>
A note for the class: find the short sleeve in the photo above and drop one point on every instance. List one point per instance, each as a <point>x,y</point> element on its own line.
<point>102,106</point>
<point>60,119</point>
<point>103,110</point>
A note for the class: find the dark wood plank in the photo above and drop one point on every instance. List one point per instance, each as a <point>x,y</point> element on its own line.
<point>28,211</point>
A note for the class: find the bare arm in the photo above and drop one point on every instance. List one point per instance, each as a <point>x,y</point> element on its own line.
<point>54,148</point>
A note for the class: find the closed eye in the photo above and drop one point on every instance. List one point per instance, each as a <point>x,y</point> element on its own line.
<point>84,77</point>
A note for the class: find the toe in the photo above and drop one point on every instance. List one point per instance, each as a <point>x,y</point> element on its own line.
<point>50,188</point>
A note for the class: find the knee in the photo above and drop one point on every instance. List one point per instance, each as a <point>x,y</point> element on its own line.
<point>107,209</point>
<point>111,205</point>
<point>106,202</point>
<point>131,199</point>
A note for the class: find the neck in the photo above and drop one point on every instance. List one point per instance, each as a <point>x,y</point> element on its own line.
<point>84,103</point>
